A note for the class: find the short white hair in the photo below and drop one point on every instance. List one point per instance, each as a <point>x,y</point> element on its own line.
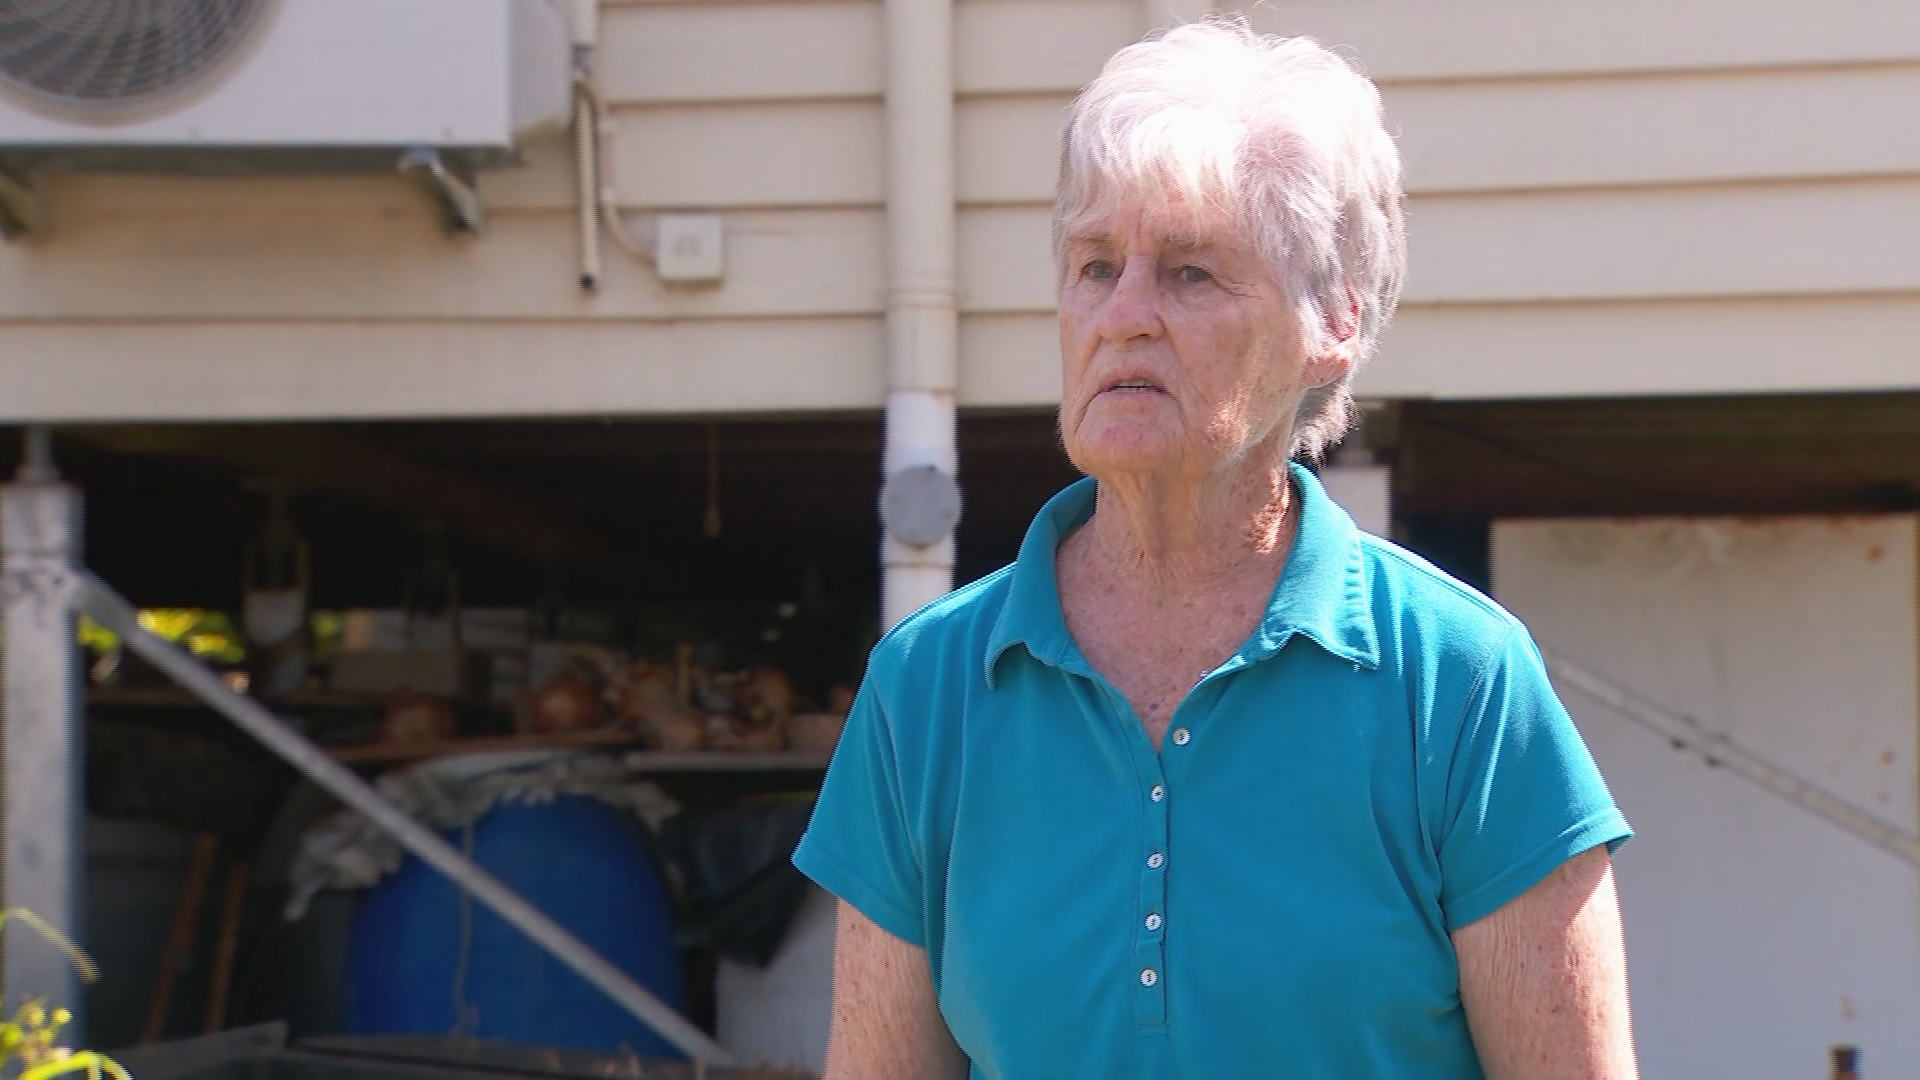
<point>1285,138</point>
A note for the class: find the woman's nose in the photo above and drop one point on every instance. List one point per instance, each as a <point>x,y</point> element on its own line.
<point>1132,309</point>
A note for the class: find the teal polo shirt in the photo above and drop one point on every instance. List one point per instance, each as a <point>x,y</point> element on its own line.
<point>1270,894</point>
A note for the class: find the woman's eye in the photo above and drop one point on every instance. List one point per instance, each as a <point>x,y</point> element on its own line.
<point>1100,270</point>
<point>1193,275</point>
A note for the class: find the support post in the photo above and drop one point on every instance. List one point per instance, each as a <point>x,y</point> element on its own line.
<point>40,532</point>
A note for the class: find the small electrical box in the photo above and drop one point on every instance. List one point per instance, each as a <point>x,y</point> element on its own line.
<point>688,248</point>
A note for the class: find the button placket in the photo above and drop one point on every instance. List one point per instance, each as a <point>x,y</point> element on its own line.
<point>1148,931</point>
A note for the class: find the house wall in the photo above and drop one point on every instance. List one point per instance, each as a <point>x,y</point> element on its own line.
<point>1758,935</point>
<point>1631,198</point>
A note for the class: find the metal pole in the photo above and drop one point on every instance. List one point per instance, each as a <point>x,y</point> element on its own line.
<point>104,606</point>
<point>40,535</point>
<point>1686,732</point>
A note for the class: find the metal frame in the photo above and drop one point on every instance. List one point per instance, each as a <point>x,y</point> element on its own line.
<point>44,820</point>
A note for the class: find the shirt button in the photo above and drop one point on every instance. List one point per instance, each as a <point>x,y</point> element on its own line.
<point>1148,976</point>
<point>1153,921</point>
<point>1159,792</point>
<point>1155,861</point>
<point>1181,736</point>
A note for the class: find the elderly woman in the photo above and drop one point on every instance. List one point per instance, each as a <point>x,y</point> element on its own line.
<point>1209,783</point>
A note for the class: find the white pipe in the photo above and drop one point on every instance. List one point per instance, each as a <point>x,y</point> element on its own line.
<point>99,602</point>
<point>922,322</point>
<point>584,23</point>
<point>587,167</point>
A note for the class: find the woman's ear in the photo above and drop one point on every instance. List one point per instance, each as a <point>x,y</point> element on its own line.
<point>1336,359</point>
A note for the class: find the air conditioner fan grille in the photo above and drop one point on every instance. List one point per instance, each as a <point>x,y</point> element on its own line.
<point>110,57</point>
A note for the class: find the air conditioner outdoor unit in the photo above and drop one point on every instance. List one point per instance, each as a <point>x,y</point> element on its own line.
<point>276,85</point>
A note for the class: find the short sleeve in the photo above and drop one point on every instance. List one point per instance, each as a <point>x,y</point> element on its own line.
<point>1523,794</point>
<point>858,846</point>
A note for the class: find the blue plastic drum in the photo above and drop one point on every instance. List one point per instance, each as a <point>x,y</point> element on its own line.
<point>583,863</point>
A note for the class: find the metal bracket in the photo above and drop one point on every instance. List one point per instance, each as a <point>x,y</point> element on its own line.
<point>459,204</point>
<point>22,211</point>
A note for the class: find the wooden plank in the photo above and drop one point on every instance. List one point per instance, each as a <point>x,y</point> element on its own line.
<point>741,52</point>
<point>389,753</point>
<point>1684,242</point>
<point>1466,39</point>
<point>1010,360</point>
<point>332,459</point>
<point>1601,132</point>
<point>1008,148</point>
<point>314,369</point>
<point>1635,456</point>
<point>414,1055</point>
<point>714,157</point>
<point>224,248</point>
<point>1770,345</point>
<point>1036,46</point>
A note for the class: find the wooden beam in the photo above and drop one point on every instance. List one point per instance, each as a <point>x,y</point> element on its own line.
<point>340,461</point>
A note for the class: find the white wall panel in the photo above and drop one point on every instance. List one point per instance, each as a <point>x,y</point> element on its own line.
<point>1758,935</point>
<point>231,369</point>
<point>1006,259</point>
<point>740,52</point>
<point>1412,39</point>
<point>817,154</point>
<point>1009,360</point>
<point>1024,46</point>
<point>389,258</point>
<point>1806,344</point>
<point>1782,124</point>
<point>1764,239</point>
<point>1009,148</point>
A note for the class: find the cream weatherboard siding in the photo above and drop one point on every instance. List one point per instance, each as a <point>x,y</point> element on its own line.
<point>1631,198</point>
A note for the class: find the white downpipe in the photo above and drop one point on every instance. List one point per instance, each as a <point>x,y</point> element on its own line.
<point>583,19</point>
<point>922,323</point>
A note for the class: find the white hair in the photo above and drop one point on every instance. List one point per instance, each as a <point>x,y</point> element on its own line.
<point>1282,136</point>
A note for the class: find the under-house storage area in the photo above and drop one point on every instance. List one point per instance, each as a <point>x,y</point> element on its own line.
<point>609,660</point>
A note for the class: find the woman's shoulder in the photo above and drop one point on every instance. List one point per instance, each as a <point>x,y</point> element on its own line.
<point>1414,595</point>
<point>955,627</point>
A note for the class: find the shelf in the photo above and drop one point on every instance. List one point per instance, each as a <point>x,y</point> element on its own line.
<point>174,697</point>
<point>638,760</point>
<point>720,761</point>
<point>379,753</point>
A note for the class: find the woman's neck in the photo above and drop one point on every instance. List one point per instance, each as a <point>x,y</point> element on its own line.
<point>1174,537</point>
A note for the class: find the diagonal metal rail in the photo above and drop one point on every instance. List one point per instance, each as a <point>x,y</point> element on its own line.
<point>99,602</point>
<point>1688,733</point>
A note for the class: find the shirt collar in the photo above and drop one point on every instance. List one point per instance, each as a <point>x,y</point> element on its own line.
<point>1322,594</point>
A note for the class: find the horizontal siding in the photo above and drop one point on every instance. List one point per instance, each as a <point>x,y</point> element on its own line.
<point>1804,344</point>
<point>336,368</point>
<point>1594,132</point>
<point>786,154</point>
<point>288,369</point>
<point>266,255</point>
<point>1763,240</point>
<point>688,53</point>
<point>1480,39</point>
<point>709,53</point>
<point>1602,196</point>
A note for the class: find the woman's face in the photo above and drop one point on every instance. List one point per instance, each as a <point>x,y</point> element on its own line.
<point>1180,354</point>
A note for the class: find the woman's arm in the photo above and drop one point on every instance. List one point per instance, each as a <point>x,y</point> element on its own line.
<point>1544,979</point>
<point>886,1018</point>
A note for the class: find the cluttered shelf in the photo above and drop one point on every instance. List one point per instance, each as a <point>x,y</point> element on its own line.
<point>390,752</point>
